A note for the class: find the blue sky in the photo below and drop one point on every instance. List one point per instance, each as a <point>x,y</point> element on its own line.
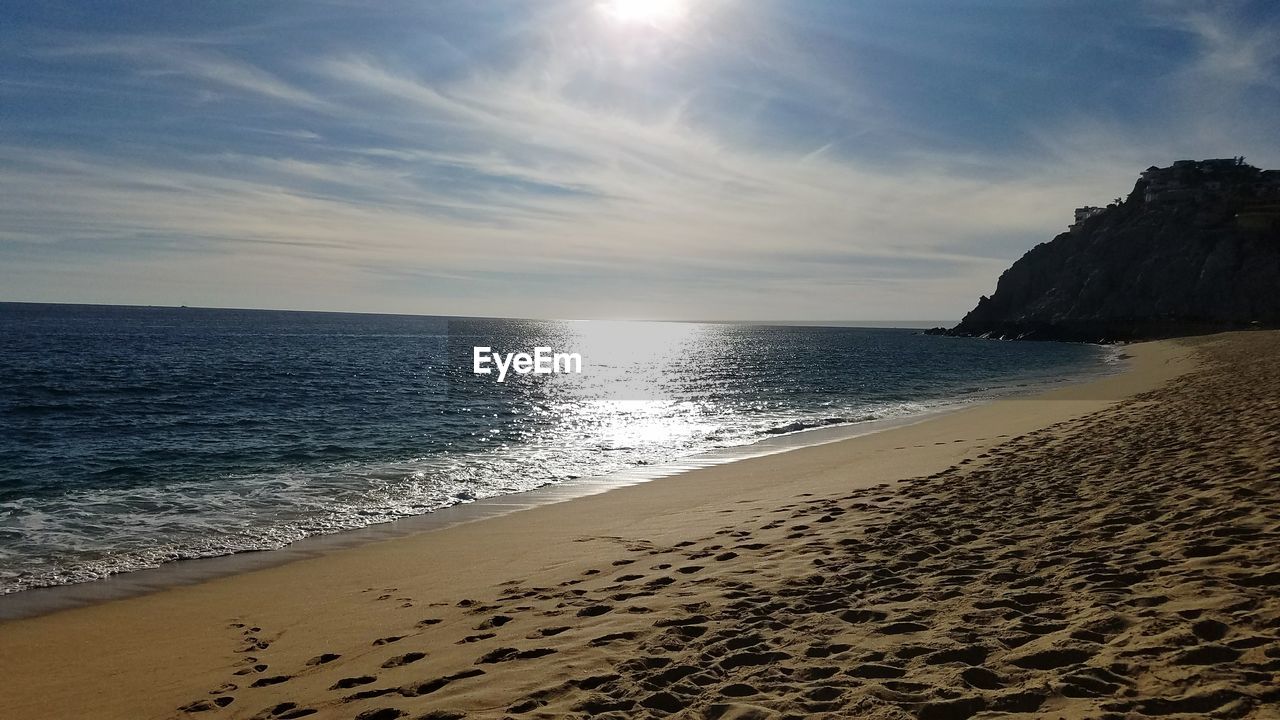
<point>684,159</point>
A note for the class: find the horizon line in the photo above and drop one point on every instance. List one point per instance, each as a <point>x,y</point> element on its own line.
<point>793,322</point>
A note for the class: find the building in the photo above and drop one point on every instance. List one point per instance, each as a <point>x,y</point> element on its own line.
<point>1085,213</point>
<point>1196,177</point>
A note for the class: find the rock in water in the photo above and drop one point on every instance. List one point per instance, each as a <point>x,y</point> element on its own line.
<point>1195,248</point>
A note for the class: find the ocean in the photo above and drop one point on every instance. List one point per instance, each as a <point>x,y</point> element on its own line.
<point>135,436</point>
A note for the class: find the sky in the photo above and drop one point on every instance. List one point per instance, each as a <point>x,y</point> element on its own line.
<point>671,159</point>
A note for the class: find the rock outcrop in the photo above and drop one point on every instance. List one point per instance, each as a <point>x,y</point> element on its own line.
<point>1194,248</point>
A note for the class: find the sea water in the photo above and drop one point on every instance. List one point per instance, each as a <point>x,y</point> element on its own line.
<point>133,436</point>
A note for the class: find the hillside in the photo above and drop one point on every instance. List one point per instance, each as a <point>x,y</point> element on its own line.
<point>1194,248</point>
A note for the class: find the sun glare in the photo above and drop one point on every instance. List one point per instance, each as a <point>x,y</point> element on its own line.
<point>645,12</point>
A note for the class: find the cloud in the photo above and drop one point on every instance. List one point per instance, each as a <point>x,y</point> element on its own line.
<point>155,58</point>
<point>1233,50</point>
<point>1210,101</point>
<point>726,171</point>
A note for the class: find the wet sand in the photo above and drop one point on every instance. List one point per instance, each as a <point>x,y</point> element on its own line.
<point>1104,550</point>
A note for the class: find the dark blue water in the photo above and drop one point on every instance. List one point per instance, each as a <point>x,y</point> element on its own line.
<point>134,436</point>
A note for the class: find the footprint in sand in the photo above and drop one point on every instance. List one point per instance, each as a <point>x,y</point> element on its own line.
<point>350,682</point>
<point>381,714</point>
<point>402,660</point>
<point>206,705</point>
<point>507,654</point>
<point>496,621</point>
<point>284,711</point>
<point>613,637</point>
<point>595,610</point>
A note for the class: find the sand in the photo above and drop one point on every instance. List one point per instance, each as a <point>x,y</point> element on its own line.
<point>1105,550</point>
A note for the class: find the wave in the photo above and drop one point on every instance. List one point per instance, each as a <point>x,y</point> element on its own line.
<point>799,425</point>
<point>212,459</point>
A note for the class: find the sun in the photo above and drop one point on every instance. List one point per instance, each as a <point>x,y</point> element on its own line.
<point>654,13</point>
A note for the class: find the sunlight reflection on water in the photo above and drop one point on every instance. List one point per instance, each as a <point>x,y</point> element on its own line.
<point>163,434</point>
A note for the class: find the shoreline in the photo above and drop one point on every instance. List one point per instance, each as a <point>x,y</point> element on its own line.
<point>147,655</point>
<point>34,602</point>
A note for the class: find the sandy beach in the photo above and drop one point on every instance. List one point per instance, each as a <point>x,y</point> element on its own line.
<point>1102,550</point>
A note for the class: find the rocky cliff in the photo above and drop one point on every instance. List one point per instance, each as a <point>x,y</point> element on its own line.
<point>1194,248</point>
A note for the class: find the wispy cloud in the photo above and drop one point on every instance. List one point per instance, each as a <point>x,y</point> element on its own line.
<point>195,62</point>
<point>1232,50</point>
<point>746,165</point>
